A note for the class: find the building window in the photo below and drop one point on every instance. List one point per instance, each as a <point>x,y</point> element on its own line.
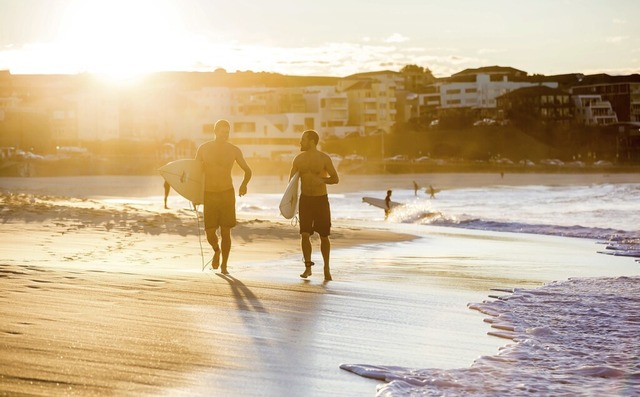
<point>207,128</point>
<point>242,126</point>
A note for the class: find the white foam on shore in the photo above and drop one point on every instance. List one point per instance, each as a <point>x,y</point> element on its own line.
<point>579,337</point>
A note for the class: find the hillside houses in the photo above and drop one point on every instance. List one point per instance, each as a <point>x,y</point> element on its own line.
<point>269,111</point>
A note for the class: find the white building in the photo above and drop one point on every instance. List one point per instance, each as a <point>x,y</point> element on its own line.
<point>475,89</point>
<point>372,99</point>
<point>592,110</point>
<point>332,108</point>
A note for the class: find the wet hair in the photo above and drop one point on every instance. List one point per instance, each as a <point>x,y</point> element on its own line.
<point>388,191</point>
<point>221,123</point>
<point>313,135</point>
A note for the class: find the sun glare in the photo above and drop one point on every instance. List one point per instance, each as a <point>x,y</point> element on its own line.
<point>118,39</point>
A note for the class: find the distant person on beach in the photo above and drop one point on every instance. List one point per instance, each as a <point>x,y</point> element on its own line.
<point>167,188</point>
<point>387,203</point>
<point>432,192</point>
<point>218,157</point>
<point>316,172</point>
<point>415,188</point>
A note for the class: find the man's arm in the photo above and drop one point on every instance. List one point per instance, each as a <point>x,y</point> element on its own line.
<point>294,168</point>
<point>247,173</point>
<point>331,170</point>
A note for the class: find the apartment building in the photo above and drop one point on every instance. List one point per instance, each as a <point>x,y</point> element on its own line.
<point>372,99</point>
<point>537,103</point>
<point>623,92</point>
<point>592,110</point>
<point>473,89</point>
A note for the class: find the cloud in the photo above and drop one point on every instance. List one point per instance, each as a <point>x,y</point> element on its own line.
<point>483,51</point>
<point>616,39</point>
<point>617,21</point>
<point>396,38</point>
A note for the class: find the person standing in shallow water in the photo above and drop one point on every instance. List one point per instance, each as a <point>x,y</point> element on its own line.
<point>387,203</point>
<point>316,172</point>
<point>167,189</point>
<point>218,157</point>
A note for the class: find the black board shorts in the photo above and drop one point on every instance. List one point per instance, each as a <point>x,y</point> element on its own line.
<point>219,209</point>
<point>315,215</point>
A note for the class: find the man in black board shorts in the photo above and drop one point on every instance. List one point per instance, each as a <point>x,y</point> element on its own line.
<point>316,172</point>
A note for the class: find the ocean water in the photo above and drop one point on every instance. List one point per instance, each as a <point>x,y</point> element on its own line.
<point>574,338</point>
<point>606,212</point>
<point>579,337</point>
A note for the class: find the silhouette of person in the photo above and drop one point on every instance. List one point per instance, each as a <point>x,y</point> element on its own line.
<point>218,157</point>
<point>167,188</point>
<point>316,172</point>
<point>432,192</point>
<point>415,188</point>
<point>387,203</point>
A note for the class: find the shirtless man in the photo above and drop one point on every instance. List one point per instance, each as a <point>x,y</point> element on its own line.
<point>218,157</point>
<point>316,172</point>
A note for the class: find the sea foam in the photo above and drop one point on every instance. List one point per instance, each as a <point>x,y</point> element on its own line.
<point>579,337</point>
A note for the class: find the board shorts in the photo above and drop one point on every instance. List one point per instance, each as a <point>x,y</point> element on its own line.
<point>315,215</point>
<point>219,209</point>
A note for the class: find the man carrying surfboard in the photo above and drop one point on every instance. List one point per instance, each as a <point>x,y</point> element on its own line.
<point>218,157</point>
<point>316,171</point>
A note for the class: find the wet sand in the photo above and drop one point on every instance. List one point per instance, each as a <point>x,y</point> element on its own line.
<point>111,299</point>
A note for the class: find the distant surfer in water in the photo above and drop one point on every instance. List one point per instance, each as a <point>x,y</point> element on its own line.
<point>387,203</point>
<point>316,172</point>
<point>432,192</point>
<point>218,157</point>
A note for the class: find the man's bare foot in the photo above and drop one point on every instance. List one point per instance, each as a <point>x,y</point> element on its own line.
<point>327,276</point>
<point>215,262</point>
<point>224,271</point>
<point>307,269</point>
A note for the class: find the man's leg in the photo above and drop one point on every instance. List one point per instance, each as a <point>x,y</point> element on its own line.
<point>225,237</point>
<point>305,243</point>
<point>225,245</point>
<point>212,238</point>
<point>325,248</point>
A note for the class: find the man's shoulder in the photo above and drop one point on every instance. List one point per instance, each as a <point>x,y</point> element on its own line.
<point>205,145</point>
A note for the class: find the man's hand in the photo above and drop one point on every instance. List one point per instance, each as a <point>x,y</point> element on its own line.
<point>243,190</point>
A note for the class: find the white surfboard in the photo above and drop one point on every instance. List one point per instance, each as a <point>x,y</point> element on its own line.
<point>376,202</point>
<point>186,177</point>
<point>289,201</point>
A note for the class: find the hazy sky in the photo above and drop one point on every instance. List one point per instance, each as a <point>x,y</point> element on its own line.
<point>326,38</point>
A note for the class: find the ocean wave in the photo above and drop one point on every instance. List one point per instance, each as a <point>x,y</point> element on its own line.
<point>572,338</point>
<point>619,242</point>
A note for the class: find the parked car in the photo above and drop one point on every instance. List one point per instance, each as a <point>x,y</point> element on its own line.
<point>397,157</point>
<point>422,159</point>
<point>484,121</point>
<point>602,163</point>
<point>554,162</point>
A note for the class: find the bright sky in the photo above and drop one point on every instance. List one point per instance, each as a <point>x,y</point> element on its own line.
<point>322,38</point>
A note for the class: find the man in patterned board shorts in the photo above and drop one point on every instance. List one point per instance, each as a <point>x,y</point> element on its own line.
<point>218,157</point>
<point>316,172</point>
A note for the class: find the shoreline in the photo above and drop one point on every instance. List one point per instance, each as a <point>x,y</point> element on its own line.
<point>86,187</point>
<point>103,298</point>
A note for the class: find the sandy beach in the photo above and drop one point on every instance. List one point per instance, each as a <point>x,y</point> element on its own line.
<point>110,298</point>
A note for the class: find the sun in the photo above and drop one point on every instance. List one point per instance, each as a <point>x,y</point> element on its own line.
<point>119,39</point>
